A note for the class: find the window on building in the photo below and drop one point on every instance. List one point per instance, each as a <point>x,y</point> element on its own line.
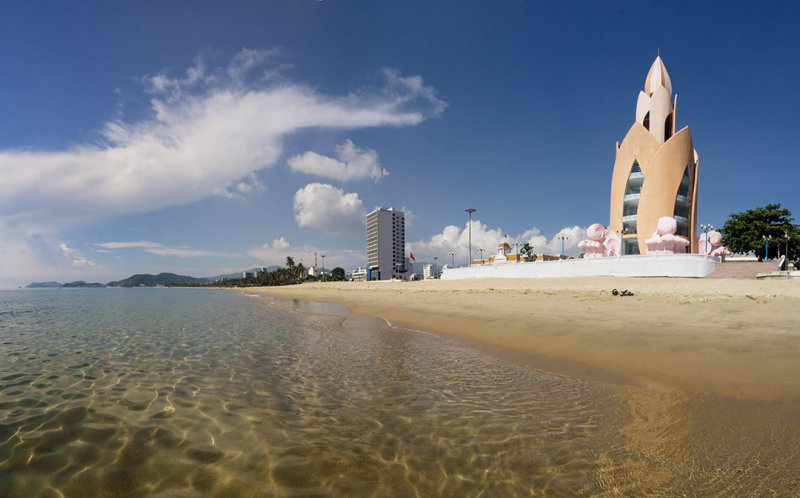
<point>668,127</point>
<point>683,205</point>
<point>630,203</point>
<point>631,245</point>
<point>646,121</point>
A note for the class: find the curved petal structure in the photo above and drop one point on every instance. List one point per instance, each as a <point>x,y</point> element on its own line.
<point>655,171</point>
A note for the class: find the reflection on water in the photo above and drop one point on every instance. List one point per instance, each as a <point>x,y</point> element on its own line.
<point>166,392</point>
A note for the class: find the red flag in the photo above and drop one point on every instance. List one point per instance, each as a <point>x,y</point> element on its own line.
<point>412,256</point>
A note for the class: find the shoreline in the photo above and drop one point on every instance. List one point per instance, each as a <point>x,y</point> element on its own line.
<point>729,337</point>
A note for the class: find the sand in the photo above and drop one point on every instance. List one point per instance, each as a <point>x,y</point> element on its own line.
<point>736,338</point>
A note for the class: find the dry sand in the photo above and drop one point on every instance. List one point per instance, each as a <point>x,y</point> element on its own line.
<point>730,337</point>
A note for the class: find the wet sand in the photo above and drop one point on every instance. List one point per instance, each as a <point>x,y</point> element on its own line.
<point>737,338</point>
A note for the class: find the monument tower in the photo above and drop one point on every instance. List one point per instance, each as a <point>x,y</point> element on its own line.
<point>655,171</point>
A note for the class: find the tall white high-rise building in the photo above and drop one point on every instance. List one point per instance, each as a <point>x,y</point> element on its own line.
<point>386,243</point>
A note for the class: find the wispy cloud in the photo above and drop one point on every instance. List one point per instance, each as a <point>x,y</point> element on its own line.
<point>205,133</point>
<point>208,130</point>
<point>160,250</point>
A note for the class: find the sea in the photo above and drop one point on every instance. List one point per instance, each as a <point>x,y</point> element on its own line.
<point>195,392</point>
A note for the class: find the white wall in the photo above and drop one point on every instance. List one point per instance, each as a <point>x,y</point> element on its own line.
<point>648,265</point>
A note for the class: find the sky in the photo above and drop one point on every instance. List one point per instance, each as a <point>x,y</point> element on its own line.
<point>204,138</point>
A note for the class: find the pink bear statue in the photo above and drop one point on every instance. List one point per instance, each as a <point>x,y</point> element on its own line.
<point>664,240</point>
<point>601,242</point>
<point>712,245</point>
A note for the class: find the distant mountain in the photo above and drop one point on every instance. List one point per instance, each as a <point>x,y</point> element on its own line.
<point>81,283</point>
<point>165,279</point>
<point>43,285</point>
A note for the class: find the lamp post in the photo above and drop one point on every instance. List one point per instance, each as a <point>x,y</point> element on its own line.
<point>562,238</point>
<point>452,258</point>
<point>786,233</point>
<point>481,249</point>
<point>706,228</point>
<point>434,266</point>
<point>766,249</point>
<point>323,267</point>
<point>470,211</point>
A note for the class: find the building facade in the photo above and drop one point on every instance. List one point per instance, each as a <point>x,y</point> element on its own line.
<point>386,244</point>
<point>655,171</point>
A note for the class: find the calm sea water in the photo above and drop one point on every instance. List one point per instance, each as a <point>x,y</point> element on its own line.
<point>176,392</point>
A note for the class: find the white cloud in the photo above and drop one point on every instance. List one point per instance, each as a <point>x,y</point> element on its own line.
<point>41,256</point>
<point>351,163</point>
<point>161,250</point>
<point>456,239</point>
<point>75,259</point>
<point>206,133</point>
<point>208,130</point>
<point>408,216</point>
<point>329,209</point>
<point>276,253</point>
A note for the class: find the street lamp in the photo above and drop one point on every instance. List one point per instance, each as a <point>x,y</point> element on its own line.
<point>323,267</point>
<point>452,258</point>
<point>434,266</point>
<point>706,228</point>
<point>766,238</point>
<point>470,211</point>
<point>562,237</point>
<point>786,233</point>
<point>481,249</point>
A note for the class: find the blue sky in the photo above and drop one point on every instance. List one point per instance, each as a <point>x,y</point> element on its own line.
<point>209,137</point>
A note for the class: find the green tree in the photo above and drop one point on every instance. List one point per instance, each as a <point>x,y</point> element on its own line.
<point>289,262</point>
<point>527,252</point>
<point>337,274</point>
<point>744,232</point>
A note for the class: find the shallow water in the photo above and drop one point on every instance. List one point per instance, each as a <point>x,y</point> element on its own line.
<point>176,392</point>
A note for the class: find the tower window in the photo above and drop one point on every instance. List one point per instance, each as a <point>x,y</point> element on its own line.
<point>646,121</point>
<point>668,127</point>
<point>683,205</point>
<point>630,202</point>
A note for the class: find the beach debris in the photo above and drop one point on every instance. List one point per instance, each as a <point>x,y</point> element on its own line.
<point>626,292</point>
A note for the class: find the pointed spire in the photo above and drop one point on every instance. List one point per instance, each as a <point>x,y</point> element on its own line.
<point>657,76</point>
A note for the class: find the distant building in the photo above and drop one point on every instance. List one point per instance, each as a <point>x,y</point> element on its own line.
<point>655,172</point>
<point>386,244</point>
<point>360,275</point>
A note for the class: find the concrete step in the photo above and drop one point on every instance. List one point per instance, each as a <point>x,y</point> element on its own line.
<point>744,270</point>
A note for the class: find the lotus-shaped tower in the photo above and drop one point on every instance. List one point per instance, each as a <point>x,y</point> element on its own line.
<point>655,172</point>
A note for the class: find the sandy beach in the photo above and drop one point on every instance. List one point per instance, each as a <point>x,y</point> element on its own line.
<point>737,338</point>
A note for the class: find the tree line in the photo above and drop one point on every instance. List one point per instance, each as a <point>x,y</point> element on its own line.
<point>292,274</point>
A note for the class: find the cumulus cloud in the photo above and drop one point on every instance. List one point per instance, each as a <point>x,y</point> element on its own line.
<point>350,163</point>
<point>159,249</point>
<point>275,253</point>
<point>456,239</point>
<point>329,209</point>
<point>206,132</point>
